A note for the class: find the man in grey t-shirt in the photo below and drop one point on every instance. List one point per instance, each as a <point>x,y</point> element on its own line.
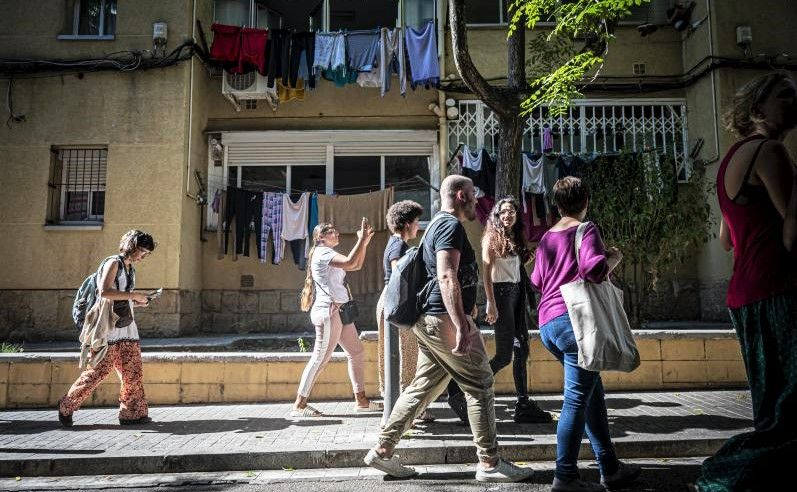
<point>450,344</point>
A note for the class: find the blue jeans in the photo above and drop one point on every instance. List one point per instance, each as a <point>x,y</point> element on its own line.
<point>584,405</point>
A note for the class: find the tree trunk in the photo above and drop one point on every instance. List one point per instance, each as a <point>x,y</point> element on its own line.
<point>504,102</point>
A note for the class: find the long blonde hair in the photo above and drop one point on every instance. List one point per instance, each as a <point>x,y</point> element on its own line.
<point>308,291</point>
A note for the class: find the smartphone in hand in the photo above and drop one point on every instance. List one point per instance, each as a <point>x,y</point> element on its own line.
<point>154,295</point>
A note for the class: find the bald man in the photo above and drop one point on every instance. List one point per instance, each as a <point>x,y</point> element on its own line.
<point>450,344</point>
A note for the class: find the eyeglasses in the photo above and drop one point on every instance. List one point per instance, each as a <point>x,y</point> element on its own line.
<point>507,212</point>
<point>144,252</point>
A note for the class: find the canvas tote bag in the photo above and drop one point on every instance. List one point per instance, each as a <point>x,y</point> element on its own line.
<point>603,334</point>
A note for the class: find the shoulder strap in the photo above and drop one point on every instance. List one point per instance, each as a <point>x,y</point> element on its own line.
<point>437,216</point>
<point>750,166</point>
<point>582,227</point>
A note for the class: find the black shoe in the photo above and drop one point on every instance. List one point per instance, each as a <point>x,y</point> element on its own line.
<point>66,420</point>
<point>460,407</point>
<point>527,412</point>
<point>142,420</point>
<point>625,474</point>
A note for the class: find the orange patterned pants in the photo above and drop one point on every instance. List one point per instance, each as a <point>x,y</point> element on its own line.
<point>125,357</point>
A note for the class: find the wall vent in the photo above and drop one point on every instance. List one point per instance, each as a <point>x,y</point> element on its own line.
<point>640,68</point>
<point>247,281</point>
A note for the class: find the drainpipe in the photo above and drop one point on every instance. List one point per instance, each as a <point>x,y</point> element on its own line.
<point>716,155</point>
<point>442,123</point>
<point>190,106</point>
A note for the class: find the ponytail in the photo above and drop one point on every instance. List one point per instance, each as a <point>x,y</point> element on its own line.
<point>308,292</point>
<point>307,296</point>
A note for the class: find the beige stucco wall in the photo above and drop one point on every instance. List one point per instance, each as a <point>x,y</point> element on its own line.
<point>140,116</point>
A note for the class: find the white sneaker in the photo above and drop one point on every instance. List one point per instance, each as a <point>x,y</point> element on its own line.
<point>503,471</point>
<point>392,466</point>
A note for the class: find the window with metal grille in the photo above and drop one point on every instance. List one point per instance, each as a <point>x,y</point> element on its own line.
<point>90,19</point>
<point>77,185</point>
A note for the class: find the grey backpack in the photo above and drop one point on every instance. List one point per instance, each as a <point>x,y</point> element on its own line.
<point>87,292</point>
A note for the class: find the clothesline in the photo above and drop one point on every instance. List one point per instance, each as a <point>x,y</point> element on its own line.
<point>394,185</point>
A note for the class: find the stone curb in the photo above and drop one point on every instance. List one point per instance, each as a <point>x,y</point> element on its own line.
<point>412,453</point>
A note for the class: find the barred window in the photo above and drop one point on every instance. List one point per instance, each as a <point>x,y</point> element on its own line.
<point>89,19</point>
<point>77,185</point>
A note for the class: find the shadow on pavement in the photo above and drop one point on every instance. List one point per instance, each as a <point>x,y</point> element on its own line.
<point>185,427</point>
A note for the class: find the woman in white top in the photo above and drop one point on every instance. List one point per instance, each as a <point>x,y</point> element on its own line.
<point>503,253</point>
<point>323,294</point>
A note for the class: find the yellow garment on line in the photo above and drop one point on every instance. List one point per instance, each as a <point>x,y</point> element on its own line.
<point>285,93</point>
<point>345,212</point>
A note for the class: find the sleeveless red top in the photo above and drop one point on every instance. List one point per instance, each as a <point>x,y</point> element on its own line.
<point>761,265</point>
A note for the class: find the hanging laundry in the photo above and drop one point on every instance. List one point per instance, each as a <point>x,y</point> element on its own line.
<point>533,227</point>
<point>480,168</point>
<point>547,139</point>
<point>392,59</point>
<point>278,57</point>
<point>220,226</point>
<point>246,207</point>
<point>226,46</point>
<point>286,94</point>
<point>484,205</point>
<point>362,50</point>
<point>294,225</point>
<point>253,50</point>
<point>550,173</point>
<point>532,174</point>
<point>346,211</point>
<point>312,218</point>
<point>422,53</point>
<point>330,51</point>
<point>302,57</point>
<point>570,165</point>
<point>214,205</point>
<point>370,79</point>
<point>271,223</point>
<point>340,76</point>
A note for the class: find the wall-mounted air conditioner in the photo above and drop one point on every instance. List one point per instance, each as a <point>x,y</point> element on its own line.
<point>250,85</point>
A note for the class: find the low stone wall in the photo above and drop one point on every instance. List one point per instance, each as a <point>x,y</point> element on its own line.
<point>43,315</point>
<point>670,360</point>
<point>267,311</point>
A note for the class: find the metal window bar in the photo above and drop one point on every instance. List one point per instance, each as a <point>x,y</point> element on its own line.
<point>630,124</point>
<point>77,185</point>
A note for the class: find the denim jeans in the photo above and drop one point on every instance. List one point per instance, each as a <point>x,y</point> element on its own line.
<point>511,335</point>
<point>584,404</point>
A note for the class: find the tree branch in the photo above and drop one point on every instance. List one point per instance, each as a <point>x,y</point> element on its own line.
<point>491,96</point>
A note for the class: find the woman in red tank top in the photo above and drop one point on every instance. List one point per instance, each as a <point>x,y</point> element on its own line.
<point>757,193</point>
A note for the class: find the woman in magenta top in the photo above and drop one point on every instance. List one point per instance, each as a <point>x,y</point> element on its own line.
<point>757,193</point>
<point>584,407</point>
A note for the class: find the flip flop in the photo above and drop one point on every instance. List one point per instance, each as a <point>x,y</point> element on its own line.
<point>307,411</point>
<point>372,407</point>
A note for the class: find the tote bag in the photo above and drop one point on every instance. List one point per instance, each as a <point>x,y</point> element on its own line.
<point>603,334</point>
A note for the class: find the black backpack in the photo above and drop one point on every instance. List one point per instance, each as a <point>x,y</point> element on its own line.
<point>402,304</point>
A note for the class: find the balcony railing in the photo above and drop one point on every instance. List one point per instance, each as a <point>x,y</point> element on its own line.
<point>588,126</point>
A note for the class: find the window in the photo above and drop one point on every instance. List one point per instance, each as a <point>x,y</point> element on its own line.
<point>324,15</point>
<point>356,14</point>
<point>77,185</point>
<point>400,171</point>
<point>278,178</point>
<point>300,15</point>
<point>90,19</point>
<point>359,174</point>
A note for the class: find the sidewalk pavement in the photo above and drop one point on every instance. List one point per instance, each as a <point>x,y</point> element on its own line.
<point>202,438</point>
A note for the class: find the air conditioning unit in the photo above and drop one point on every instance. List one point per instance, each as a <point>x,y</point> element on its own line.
<point>244,86</point>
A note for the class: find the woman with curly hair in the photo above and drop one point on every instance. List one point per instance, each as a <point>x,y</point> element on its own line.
<point>403,220</point>
<point>503,254</point>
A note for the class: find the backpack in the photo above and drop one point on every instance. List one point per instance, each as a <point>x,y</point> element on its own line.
<point>87,292</point>
<point>402,305</point>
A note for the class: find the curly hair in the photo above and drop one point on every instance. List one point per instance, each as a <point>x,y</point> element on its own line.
<point>307,295</point>
<point>134,239</point>
<point>745,114</point>
<point>401,214</point>
<point>501,240</point>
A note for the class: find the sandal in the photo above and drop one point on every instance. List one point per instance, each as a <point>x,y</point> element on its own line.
<point>307,411</point>
<point>372,407</point>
